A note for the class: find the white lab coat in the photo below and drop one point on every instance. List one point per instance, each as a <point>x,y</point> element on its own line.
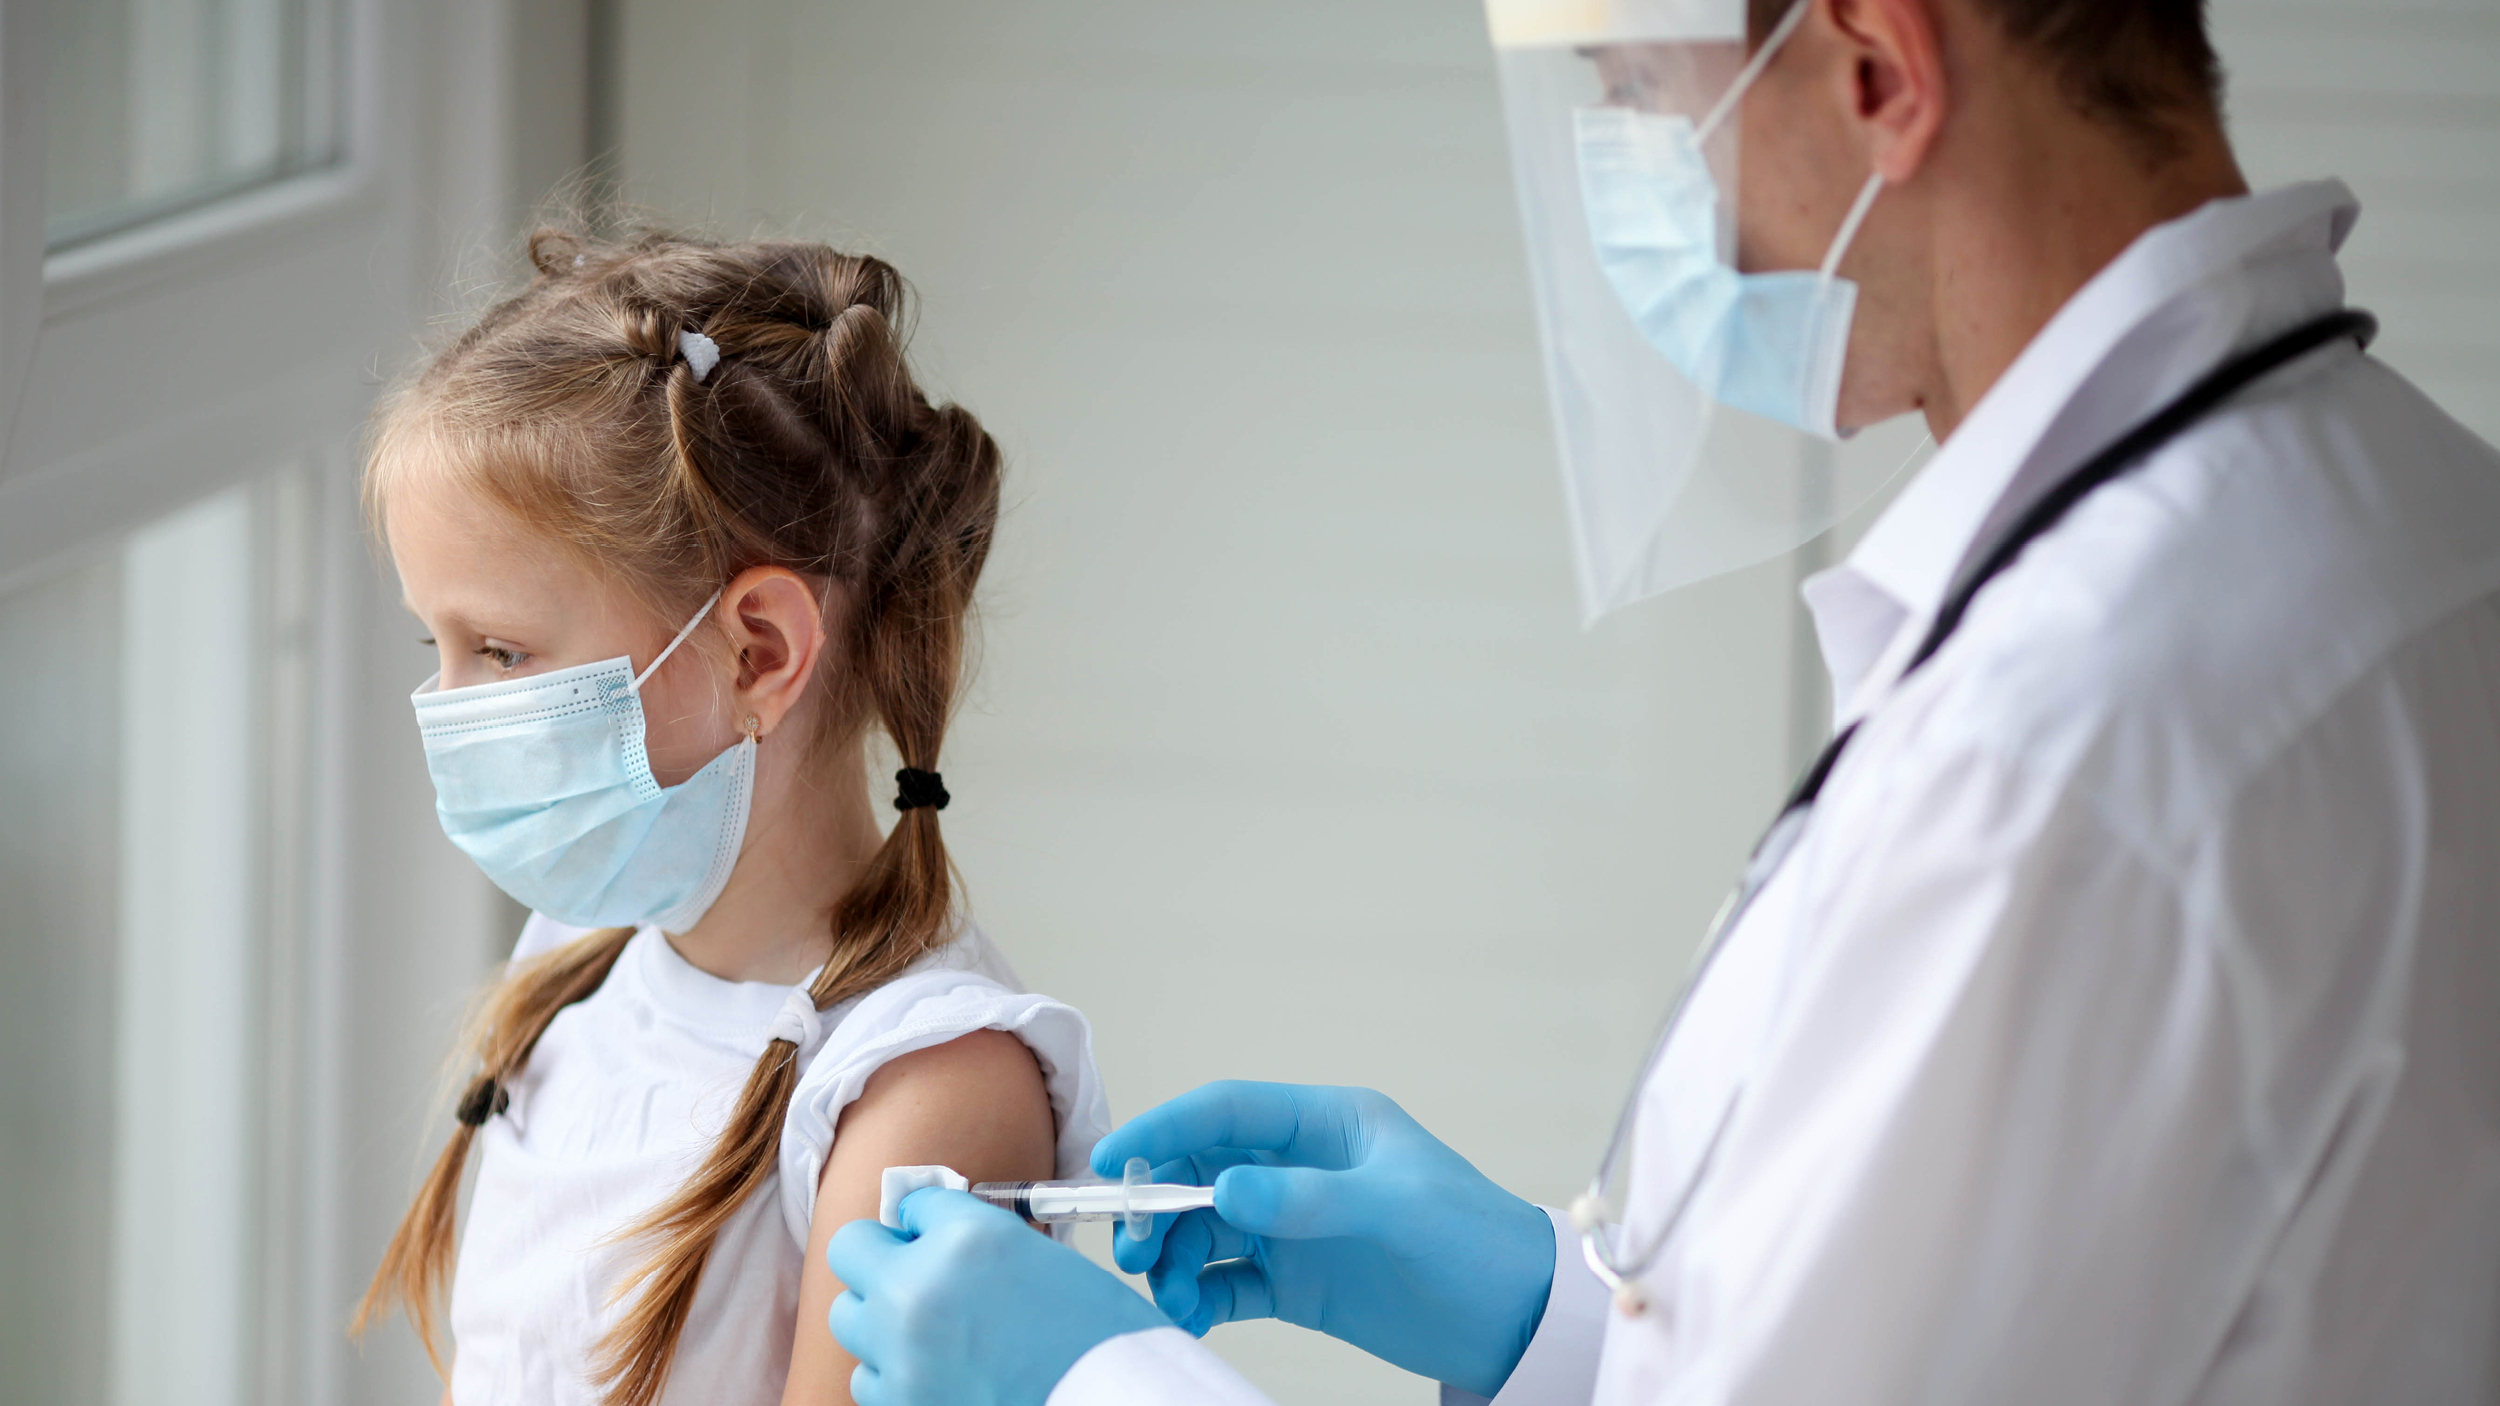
<point>2125,1027</point>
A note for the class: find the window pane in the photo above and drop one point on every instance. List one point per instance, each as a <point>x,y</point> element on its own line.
<point>59,764</point>
<point>160,105</point>
<point>141,1005</point>
<point>184,1053</point>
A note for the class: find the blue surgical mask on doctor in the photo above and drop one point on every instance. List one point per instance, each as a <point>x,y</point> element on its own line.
<point>1771,344</point>
<point>545,782</point>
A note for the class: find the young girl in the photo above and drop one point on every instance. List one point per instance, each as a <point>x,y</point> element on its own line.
<point>684,532</point>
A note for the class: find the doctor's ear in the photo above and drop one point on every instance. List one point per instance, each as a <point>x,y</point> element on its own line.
<point>1894,75</point>
<point>774,618</point>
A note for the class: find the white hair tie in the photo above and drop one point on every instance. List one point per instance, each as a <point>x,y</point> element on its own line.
<point>701,353</point>
<point>798,1021</point>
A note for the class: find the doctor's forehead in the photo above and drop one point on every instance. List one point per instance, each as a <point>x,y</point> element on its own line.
<point>1684,78</point>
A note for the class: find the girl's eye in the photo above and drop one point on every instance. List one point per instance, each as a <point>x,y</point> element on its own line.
<point>505,659</point>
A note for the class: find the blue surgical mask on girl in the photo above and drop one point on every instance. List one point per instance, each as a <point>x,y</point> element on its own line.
<point>546,783</point>
<point>1770,344</point>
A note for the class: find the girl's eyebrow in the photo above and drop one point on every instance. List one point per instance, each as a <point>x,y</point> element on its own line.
<point>457,622</point>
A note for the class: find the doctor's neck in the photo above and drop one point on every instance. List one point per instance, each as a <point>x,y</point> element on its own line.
<point>2017,166</point>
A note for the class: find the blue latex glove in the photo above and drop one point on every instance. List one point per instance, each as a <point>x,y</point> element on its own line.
<point>1341,1214</point>
<point>967,1306</point>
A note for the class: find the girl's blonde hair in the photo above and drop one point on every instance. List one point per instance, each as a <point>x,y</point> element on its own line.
<point>809,447</point>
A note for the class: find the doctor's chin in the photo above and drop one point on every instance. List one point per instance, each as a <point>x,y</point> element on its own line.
<point>1529,703</point>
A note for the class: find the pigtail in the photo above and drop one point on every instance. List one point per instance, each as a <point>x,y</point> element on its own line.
<point>633,1359</point>
<point>516,1014</point>
<point>935,476</point>
<point>418,1262</point>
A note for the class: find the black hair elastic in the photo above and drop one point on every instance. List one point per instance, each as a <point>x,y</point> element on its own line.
<point>920,788</point>
<point>485,1099</point>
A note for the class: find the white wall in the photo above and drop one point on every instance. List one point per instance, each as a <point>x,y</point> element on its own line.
<point>1288,759</point>
<point>2401,98</point>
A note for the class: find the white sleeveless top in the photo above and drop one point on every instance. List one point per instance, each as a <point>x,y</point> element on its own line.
<point>619,1104</point>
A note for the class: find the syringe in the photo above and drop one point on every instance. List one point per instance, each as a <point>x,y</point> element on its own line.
<point>1133,1200</point>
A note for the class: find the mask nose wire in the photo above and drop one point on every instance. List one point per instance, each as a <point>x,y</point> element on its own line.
<point>1753,69</point>
<point>709,602</point>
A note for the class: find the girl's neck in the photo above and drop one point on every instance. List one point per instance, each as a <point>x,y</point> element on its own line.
<point>810,837</point>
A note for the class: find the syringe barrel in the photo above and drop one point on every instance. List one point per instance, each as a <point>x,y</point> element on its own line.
<point>1052,1201</point>
<point>1132,1199</point>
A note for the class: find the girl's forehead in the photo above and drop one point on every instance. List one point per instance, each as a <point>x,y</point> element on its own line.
<point>463,555</point>
<point>427,501</point>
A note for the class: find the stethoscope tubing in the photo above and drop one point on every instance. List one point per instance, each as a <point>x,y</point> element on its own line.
<point>1622,1273</point>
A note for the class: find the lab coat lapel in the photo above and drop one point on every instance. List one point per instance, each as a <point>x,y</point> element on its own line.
<point>2178,301</point>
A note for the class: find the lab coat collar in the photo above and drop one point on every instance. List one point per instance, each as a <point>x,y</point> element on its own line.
<point>2180,299</point>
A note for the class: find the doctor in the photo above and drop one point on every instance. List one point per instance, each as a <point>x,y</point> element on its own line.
<point>2116,1015</point>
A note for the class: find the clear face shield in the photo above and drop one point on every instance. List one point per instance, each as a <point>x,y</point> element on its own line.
<point>1694,402</point>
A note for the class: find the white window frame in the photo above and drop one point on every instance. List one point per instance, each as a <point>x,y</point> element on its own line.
<point>149,368</point>
<point>90,454</point>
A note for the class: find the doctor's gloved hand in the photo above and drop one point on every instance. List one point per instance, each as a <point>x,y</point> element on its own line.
<point>1338,1212</point>
<point>967,1305</point>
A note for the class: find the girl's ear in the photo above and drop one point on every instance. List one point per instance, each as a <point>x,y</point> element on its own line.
<point>776,628</point>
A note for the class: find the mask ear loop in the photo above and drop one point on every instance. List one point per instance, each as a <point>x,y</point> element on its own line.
<point>1736,92</point>
<point>709,602</point>
<point>1753,69</point>
<point>1849,224</point>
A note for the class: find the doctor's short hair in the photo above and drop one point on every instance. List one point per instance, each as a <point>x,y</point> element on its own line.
<point>673,412</point>
<point>2138,65</point>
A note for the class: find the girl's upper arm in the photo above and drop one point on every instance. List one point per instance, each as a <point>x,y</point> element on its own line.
<point>977,1104</point>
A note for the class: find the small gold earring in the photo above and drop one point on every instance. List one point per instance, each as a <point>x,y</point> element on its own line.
<point>754,728</point>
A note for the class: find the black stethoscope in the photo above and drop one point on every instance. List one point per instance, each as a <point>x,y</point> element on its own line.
<point>1621,1266</point>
